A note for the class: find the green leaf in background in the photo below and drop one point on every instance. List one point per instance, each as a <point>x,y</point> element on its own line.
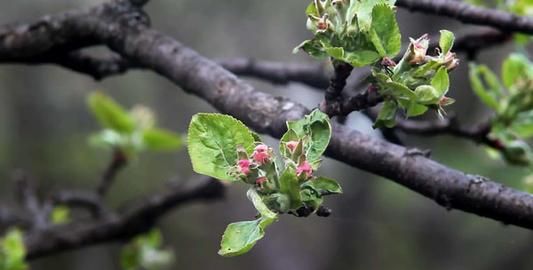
<point>60,215</point>
<point>110,114</point>
<point>488,94</point>
<point>446,41</point>
<point>384,31</point>
<point>315,130</point>
<point>161,140</point>
<point>13,251</point>
<point>515,67</point>
<point>212,142</point>
<point>240,237</point>
<point>522,126</point>
<point>324,186</point>
<point>145,252</point>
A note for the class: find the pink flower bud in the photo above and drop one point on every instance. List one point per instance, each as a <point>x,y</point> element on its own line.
<point>304,168</point>
<point>261,180</point>
<point>291,145</point>
<point>261,154</point>
<point>244,166</point>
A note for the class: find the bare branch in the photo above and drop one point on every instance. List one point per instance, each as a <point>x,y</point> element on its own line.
<point>136,220</point>
<point>118,161</point>
<point>466,13</point>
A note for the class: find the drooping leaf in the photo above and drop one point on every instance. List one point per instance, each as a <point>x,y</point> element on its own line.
<point>240,237</point>
<point>212,143</point>
<point>109,114</point>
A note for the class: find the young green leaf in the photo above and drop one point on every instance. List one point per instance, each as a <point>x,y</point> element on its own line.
<point>447,39</point>
<point>384,31</point>
<point>515,67</point>
<point>387,115</point>
<point>161,140</point>
<point>110,114</point>
<point>289,185</point>
<point>441,82</point>
<point>317,129</point>
<point>324,186</point>
<point>212,143</point>
<point>486,94</point>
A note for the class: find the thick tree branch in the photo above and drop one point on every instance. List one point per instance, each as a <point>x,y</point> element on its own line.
<point>135,220</point>
<point>466,13</point>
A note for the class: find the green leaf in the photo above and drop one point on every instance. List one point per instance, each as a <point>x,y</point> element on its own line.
<point>415,109</point>
<point>516,66</point>
<point>60,215</point>
<point>335,52</point>
<point>161,140</point>
<point>13,251</point>
<point>290,186</point>
<point>313,47</point>
<point>441,82</point>
<point>399,90</point>
<point>109,114</point>
<point>212,142</point>
<point>240,237</point>
<point>427,94</point>
<point>384,31</point>
<point>315,130</point>
<point>324,186</point>
<point>447,39</point>
<point>487,94</point>
<point>523,125</point>
<point>387,115</point>
<point>361,58</point>
<point>145,252</point>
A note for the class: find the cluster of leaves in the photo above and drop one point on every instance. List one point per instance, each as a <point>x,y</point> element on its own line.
<point>131,132</point>
<point>145,252</point>
<point>13,251</point>
<point>358,32</point>
<point>222,147</point>
<point>511,98</point>
<point>364,32</point>
<point>418,82</point>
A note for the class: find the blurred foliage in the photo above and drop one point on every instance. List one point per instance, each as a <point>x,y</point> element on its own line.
<point>12,251</point>
<point>146,252</point>
<point>511,98</point>
<point>133,131</point>
<point>60,215</point>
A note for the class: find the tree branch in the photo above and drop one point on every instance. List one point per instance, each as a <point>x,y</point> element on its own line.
<point>136,220</point>
<point>124,31</point>
<point>466,13</point>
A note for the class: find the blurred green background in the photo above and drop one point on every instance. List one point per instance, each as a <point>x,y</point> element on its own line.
<point>376,224</point>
